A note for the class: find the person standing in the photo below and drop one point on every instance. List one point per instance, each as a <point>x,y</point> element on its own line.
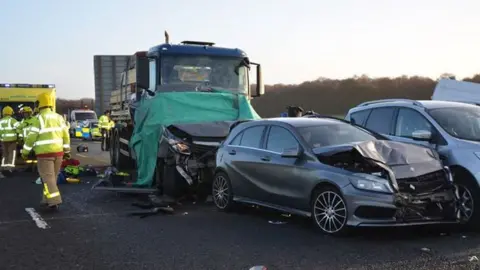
<point>8,136</point>
<point>104,125</point>
<point>49,139</point>
<point>23,130</point>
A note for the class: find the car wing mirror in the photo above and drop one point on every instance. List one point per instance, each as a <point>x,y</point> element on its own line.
<point>295,152</point>
<point>422,135</point>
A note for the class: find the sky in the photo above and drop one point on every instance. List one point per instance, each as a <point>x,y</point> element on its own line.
<point>53,41</point>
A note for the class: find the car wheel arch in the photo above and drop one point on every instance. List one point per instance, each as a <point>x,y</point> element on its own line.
<point>458,169</point>
<point>323,184</point>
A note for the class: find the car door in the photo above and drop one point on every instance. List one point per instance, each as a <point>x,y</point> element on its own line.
<point>285,177</point>
<point>244,154</point>
<point>409,121</point>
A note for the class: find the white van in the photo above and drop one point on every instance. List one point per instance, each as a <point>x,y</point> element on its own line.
<point>459,91</point>
<point>78,117</point>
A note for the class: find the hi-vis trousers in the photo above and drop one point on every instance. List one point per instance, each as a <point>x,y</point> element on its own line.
<point>49,168</point>
<point>9,152</point>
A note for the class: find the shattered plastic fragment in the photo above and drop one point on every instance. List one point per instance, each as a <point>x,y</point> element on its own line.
<point>464,236</point>
<point>473,259</point>
<point>258,267</point>
<point>425,249</point>
<point>276,222</point>
<point>286,215</point>
<point>185,213</point>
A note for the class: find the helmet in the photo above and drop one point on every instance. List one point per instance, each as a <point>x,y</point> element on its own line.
<point>45,100</point>
<point>26,109</point>
<point>7,111</point>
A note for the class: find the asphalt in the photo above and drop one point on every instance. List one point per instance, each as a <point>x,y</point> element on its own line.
<point>94,230</point>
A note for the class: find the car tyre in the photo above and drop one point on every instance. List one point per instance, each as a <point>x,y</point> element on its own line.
<point>329,211</point>
<point>222,193</point>
<point>469,204</point>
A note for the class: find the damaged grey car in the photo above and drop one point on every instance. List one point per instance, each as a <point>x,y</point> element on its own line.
<point>339,174</point>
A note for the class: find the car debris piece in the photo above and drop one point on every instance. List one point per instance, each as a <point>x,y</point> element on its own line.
<point>473,259</point>
<point>258,267</point>
<point>277,222</point>
<point>424,249</point>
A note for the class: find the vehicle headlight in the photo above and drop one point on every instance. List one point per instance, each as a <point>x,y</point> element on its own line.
<point>371,183</point>
<point>179,146</point>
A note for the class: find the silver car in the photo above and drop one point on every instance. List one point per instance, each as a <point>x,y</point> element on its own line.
<point>451,128</point>
<point>338,174</point>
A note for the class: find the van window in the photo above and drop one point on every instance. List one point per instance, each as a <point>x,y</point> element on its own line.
<point>380,120</point>
<point>359,117</point>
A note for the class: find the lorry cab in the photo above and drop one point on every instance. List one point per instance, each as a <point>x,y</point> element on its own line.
<point>194,91</point>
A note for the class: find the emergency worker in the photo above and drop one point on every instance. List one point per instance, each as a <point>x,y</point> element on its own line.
<point>49,139</point>
<point>105,125</point>
<point>22,129</point>
<point>8,136</point>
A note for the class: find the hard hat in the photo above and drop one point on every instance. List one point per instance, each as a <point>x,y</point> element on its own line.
<point>45,100</point>
<point>7,111</point>
<point>26,109</point>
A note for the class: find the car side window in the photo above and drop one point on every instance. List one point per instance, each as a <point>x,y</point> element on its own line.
<point>252,136</point>
<point>359,117</point>
<point>280,139</point>
<point>237,139</point>
<point>408,121</point>
<point>380,120</point>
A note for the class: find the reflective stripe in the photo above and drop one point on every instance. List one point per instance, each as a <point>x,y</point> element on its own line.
<point>60,141</point>
<point>9,135</point>
<point>66,146</point>
<point>27,147</point>
<point>52,129</point>
<point>48,194</point>
<point>34,129</point>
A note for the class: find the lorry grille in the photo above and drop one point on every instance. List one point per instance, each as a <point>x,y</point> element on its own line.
<point>423,183</point>
<point>201,149</point>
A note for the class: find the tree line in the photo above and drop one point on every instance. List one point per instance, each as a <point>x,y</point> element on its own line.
<point>324,95</point>
<point>336,97</point>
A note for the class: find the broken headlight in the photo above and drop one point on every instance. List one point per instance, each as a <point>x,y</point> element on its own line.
<point>176,144</point>
<point>371,183</point>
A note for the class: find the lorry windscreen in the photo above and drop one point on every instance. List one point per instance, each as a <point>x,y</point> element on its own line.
<point>201,73</point>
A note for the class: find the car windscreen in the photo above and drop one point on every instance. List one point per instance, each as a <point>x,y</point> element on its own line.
<point>459,122</point>
<point>82,116</point>
<point>333,134</point>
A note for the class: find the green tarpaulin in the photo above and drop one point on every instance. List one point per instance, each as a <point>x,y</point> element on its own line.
<point>164,109</point>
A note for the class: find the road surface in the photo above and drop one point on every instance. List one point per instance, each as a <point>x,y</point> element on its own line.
<point>94,231</point>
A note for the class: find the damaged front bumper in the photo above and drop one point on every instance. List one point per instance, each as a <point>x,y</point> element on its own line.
<point>370,209</point>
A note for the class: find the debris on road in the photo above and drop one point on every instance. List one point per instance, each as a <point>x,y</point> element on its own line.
<point>258,267</point>
<point>277,222</point>
<point>424,249</point>
<point>81,148</point>
<point>473,259</point>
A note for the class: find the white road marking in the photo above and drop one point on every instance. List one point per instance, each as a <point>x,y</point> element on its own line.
<point>80,155</point>
<point>41,223</point>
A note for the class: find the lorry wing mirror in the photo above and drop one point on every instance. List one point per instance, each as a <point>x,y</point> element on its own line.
<point>260,87</point>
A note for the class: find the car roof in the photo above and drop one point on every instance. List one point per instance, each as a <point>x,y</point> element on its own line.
<point>427,104</point>
<point>300,121</point>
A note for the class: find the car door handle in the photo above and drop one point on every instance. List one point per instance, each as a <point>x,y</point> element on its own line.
<point>265,158</point>
<point>232,152</point>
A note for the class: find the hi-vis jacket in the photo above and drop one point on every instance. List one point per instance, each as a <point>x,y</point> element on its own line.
<point>48,135</point>
<point>8,129</point>
<point>24,127</point>
<point>104,122</point>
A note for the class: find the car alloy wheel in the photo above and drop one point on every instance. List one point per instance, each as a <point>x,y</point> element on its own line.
<point>221,192</point>
<point>330,211</point>
<point>465,203</point>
